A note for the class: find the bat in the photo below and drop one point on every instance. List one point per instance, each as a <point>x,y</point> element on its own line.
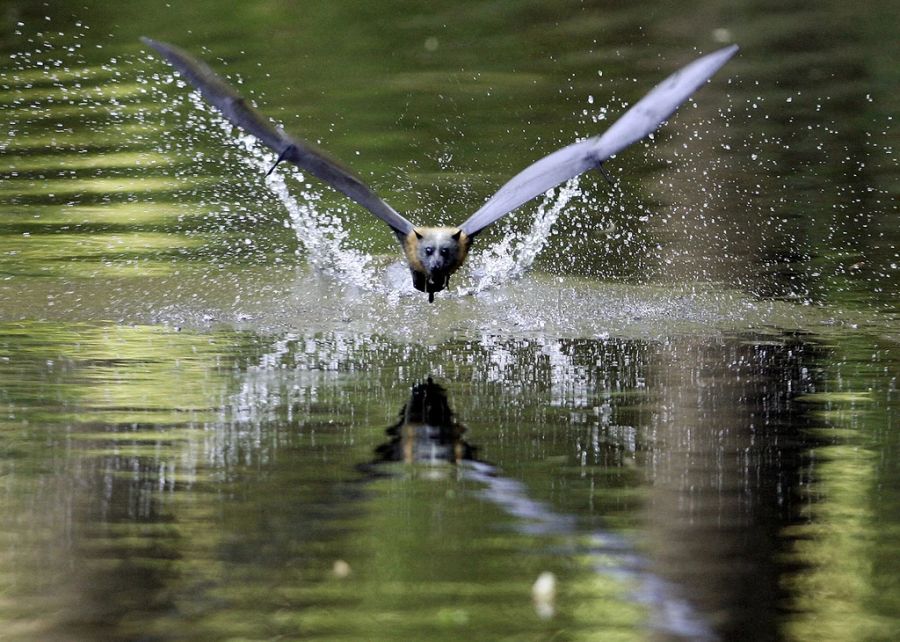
<point>435,253</point>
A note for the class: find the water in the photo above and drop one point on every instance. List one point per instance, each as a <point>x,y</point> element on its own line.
<point>214,421</point>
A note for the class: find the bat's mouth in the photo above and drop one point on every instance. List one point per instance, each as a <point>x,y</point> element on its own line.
<point>437,280</point>
<point>430,283</point>
<point>439,273</point>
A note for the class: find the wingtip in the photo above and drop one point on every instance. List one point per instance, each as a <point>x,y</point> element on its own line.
<point>727,52</point>
<point>718,57</point>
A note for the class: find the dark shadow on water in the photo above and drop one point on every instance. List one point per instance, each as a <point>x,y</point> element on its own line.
<point>730,470</point>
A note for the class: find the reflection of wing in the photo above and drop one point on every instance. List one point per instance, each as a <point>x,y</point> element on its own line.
<point>301,153</point>
<point>643,117</point>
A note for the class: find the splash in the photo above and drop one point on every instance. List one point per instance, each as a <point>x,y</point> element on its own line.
<point>514,255</point>
<point>321,234</point>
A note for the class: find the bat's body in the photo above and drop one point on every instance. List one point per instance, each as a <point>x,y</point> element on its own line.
<point>435,253</point>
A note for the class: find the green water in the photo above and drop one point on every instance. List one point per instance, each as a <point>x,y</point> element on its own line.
<point>686,409</point>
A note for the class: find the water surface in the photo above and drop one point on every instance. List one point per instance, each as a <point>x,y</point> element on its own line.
<point>214,415</point>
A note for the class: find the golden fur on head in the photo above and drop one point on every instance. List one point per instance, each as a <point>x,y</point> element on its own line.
<point>434,253</point>
<point>451,238</point>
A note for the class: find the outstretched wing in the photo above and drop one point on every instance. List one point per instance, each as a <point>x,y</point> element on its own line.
<point>235,108</point>
<point>643,117</point>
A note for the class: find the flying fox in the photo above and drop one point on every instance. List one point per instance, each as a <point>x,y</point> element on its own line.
<point>435,253</point>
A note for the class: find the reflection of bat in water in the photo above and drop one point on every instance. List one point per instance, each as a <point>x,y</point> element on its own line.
<point>427,431</point>
<point>429,437</point>
<point>434,253</point>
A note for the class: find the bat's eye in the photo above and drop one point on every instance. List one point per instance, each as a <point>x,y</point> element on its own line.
<point>445,251</point>
<point>429,251</point>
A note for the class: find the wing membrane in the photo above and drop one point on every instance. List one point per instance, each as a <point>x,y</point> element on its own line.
<point>643,117</point>
<point>224,97</point>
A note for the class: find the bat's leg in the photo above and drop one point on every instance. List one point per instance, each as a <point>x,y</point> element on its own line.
<point>603,171</point>
<point>280,158</point>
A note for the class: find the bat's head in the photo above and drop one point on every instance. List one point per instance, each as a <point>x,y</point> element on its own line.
<point>434,253</point>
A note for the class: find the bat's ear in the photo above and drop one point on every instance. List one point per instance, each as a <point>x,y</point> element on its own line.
<point>457,235</point>
<point>418,236</point>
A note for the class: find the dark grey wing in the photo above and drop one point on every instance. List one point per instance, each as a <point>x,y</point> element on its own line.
<point>644,117</point>
<point>221,95</point>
